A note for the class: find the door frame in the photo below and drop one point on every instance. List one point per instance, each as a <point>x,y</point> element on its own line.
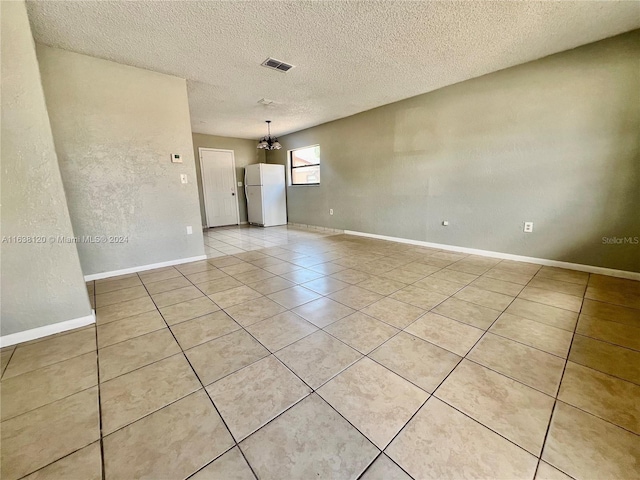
<point>204,186</point>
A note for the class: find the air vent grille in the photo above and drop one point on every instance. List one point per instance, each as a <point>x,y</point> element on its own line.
<point>277,65</point>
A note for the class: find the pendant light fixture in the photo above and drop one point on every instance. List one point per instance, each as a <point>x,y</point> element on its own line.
<point>269,142</point>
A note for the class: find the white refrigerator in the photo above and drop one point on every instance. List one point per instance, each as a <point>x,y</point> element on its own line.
<point>264,186</point>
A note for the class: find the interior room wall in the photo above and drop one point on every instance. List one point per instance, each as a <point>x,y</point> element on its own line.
<point>115,128</point>
<point>554,141</point>
<point>245,153</point>
<point>42,281</point>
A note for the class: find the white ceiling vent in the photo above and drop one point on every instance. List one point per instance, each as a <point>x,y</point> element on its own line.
<point>277,65</point>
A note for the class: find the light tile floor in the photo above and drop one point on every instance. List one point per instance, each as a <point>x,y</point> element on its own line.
<point>301,354</point>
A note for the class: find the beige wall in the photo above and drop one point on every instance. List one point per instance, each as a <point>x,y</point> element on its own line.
<point>115,128</point>
<point>42,282</point>
<point>553,141</point>
<point>245,153</point>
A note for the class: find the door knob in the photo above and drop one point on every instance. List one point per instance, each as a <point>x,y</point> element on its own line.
<point>233,193</point>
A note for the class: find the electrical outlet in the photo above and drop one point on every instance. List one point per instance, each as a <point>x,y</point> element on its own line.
<point>445,223</point>
<point>189,230</point>
<point>331,211</point>
<point>528,227</point>
<point>183,177</point>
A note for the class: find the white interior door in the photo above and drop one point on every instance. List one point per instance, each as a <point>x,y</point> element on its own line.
<point>219,186</point>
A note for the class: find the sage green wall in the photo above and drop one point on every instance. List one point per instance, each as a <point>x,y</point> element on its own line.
<point>554,141</point>
<point>42,282</point>
<point>115,128</point>
<point>245,153</point>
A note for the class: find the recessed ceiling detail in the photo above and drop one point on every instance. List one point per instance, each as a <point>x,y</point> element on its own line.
<point>277,65</point>
<point>350,55</point>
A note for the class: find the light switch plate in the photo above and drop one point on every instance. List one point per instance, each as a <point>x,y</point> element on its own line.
<point>239,184</point>
<point>176,158</point>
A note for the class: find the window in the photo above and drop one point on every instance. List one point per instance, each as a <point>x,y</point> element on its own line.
<point>305,166</point>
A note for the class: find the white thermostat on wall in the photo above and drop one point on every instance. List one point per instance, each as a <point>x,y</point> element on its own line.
<point>176,158</point>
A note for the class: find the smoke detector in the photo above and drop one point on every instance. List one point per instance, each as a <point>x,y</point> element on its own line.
<point>277,65</point>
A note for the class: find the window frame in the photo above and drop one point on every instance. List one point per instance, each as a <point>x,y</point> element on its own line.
<point>292,167</point>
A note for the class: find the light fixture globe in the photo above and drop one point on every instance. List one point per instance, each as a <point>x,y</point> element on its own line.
<point>269,142</point>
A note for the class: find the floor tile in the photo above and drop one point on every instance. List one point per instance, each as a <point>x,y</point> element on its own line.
<point>5,356</point>
<point>202,329</point>
<point>85,463</point>
<point>46,434</point>
<point>273,389</point>
<point>515,411</point>
<point>327,268</point>
<point>381,285</point>
<point>308,439</point>
<point>130,327</point>
<point>425,268</point>
<point>159,274</point>
<point>317,358</point>
<point>254,311</point>
<point>195,267</point>
<point>454,276</point>
<point>611,332</point>
<point>253,276</point>
<point>507,276</point>
<point>281,330</point>
<point>604,357</point>
<point>420,362</point>
<point>34,389</point>
<point>27,358</point>
<point>384,469</point>
<point>547,472</point>
<point>535,334</point>
<point>555,299</point>
<point>234,296</point>
<point>351,276</point>
<point>393,312</point>
<point>113,285</point>
<point>238,268</point>
<point>361,331</point>
<point>167,285</point>
<point>137,352</point>
<point>271,285</point>
<point>375,400</point>
<point>558,286</point>
<point>293,297</point>
<point>469,313</point>
<point>556,317</point>
<point>122,310</point>
<point>208,275</point>
<point>498,286</point>
<point>325,285</point>
<point>419,297</point>
<point>222,356</point>
<point>301,275</point>
<point>602,395</point>
<point>446,333</point>
<point>613,313</point>
<point>173,442</point>
<point>218,285</point>
<point>493,300</point>
<point>181,312</point>
<point>445,287</point>
<point>355,297</point>
<point>130,397</point>
<point>126,294</point>
<point>225,261</point>
<point>617,297</point>
<point>230,466</point>
<point>563,275</point>
<point>323,311</point>
<point>525,364</point>
<point>440,442</point>
<point>584,446</point>
<point>176,296</point>
<point>404,276</point>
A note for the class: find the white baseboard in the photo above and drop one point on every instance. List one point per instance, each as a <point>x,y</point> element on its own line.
<point>47,330</point>
<point>506,256</point>
<point>124,271</point>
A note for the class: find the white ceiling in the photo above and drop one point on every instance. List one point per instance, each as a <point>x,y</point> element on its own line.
<point>350,56</point>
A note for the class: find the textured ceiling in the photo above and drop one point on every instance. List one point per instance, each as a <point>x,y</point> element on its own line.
<point>350,56</point>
